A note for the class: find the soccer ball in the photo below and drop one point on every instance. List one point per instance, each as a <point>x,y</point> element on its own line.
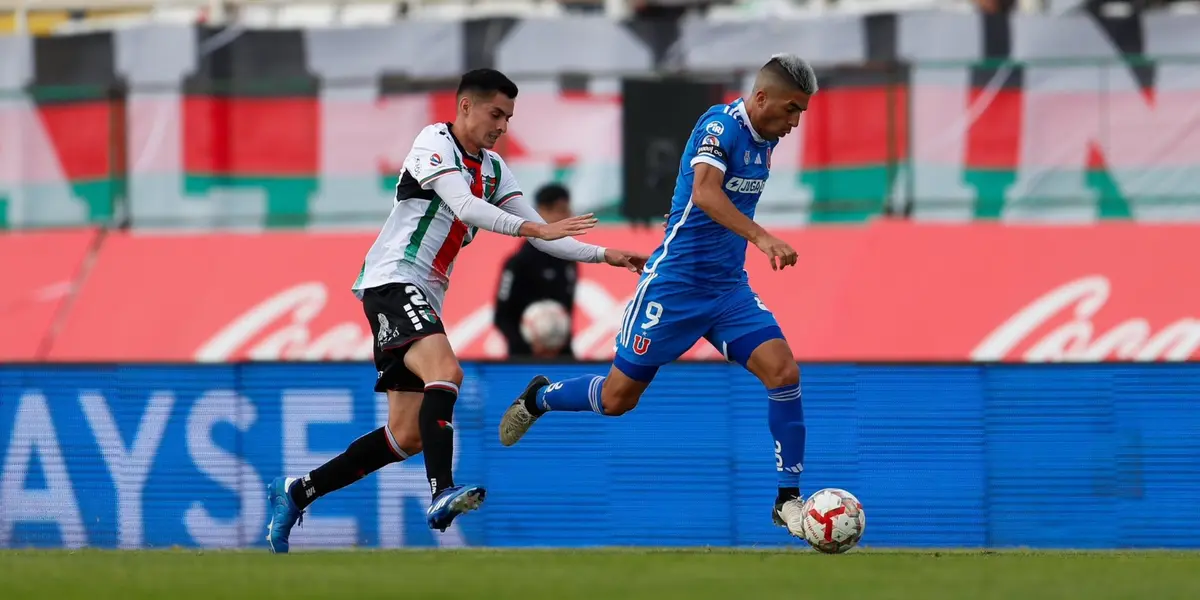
<point>834,521</point>
<point>546,325</point>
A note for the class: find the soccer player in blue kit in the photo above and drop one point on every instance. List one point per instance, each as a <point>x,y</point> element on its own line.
<point>695,284</point>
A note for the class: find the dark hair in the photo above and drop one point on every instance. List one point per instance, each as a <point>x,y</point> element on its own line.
<point>486,81</point>
<point>552,193</point>
<point>793,70</point>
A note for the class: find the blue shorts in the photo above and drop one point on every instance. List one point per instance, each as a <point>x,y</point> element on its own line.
<point>666,318</point>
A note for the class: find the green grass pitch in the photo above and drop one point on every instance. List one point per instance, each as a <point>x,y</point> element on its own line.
<point>608,574</point>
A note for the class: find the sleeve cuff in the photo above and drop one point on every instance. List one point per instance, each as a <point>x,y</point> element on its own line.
<point>708,160</point>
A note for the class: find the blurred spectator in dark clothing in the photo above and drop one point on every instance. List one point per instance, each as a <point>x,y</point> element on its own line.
<point>996,7</point>
<point>531,275</point>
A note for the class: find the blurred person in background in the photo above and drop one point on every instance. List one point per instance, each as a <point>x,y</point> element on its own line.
<point>531,275</point>
<point>996,7</point>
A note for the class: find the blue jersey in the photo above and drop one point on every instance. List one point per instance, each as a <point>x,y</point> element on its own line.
<point>695,285</point>
<point>696,248</point>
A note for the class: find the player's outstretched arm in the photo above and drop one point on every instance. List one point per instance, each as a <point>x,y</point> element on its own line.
<point>574,250</point>
<point>708,194</point>
<point>455,192</point>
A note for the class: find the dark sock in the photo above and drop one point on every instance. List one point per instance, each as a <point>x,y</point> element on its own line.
<point>531,404</point>
<point>785,494</point>
<point>364,456</point>
<point>437,434</point>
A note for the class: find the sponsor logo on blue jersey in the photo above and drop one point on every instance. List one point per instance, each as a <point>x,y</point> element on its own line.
<point>738,185</point>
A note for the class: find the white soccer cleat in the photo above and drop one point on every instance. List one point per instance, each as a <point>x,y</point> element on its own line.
<point>515,422</point>
<point>790,515</point>
<point>517,419</point>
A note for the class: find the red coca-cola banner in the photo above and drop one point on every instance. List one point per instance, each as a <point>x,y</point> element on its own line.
<point>886,291</point>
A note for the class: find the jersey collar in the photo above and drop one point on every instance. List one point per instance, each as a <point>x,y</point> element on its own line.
<point>739,107</point>
<point>450,130</point>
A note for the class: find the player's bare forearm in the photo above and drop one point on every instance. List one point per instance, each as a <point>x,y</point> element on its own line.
<point>554,239</point>
<point>530,229</point>
<point>709,196</point>
<point>720,209</point>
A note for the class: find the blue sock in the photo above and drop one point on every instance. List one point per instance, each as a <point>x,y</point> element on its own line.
<point>786,417</point>
<point>581,394</point>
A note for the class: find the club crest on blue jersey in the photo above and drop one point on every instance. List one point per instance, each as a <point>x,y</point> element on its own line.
<point>641,344</point>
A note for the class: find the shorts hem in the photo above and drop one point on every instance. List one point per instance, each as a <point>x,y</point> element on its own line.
<point>385,389</point>
<point>408,342</point>
<point>635,371</point>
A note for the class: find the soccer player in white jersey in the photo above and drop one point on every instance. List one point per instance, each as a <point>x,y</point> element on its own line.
<point>452,185</point>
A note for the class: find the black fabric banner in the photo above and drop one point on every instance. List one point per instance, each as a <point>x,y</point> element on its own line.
<point>658,115</point>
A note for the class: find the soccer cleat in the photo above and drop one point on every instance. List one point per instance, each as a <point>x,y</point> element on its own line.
<point>284,515</point>
<point>789,514</point>
<point>518,419</point>
<point>453,502</point>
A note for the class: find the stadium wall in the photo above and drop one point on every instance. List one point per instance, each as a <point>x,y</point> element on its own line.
<point>137,456</point>
<point>886,291</point>
<point>942,115</point>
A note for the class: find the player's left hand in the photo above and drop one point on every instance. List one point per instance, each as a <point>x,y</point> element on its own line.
<point>630,260</point>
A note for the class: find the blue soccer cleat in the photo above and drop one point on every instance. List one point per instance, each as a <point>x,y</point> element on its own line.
<point>453,502</point>
<point>284,515</point>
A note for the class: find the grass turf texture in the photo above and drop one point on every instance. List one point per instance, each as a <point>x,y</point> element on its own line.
<point>615,574</point>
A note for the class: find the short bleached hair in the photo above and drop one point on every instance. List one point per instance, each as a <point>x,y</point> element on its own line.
<point>794,70</point>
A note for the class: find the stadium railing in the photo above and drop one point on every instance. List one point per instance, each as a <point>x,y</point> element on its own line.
<point>57,16</point>
<point>65,16</point>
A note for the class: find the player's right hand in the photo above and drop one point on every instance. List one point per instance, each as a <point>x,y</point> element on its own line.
<point>780,252</point>
<point>569,227</point>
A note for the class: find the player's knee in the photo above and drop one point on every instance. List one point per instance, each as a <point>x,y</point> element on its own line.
<point>432,359</point>
<point>452,372</point>
<point>624,386</point>
<point>618,403</point>
<point>619,406</point>
<point>445,369</point>
<point>781,373</point>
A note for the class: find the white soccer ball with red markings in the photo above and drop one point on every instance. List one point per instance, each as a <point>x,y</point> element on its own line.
<point>834,521</point>
<point>545,325</point>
